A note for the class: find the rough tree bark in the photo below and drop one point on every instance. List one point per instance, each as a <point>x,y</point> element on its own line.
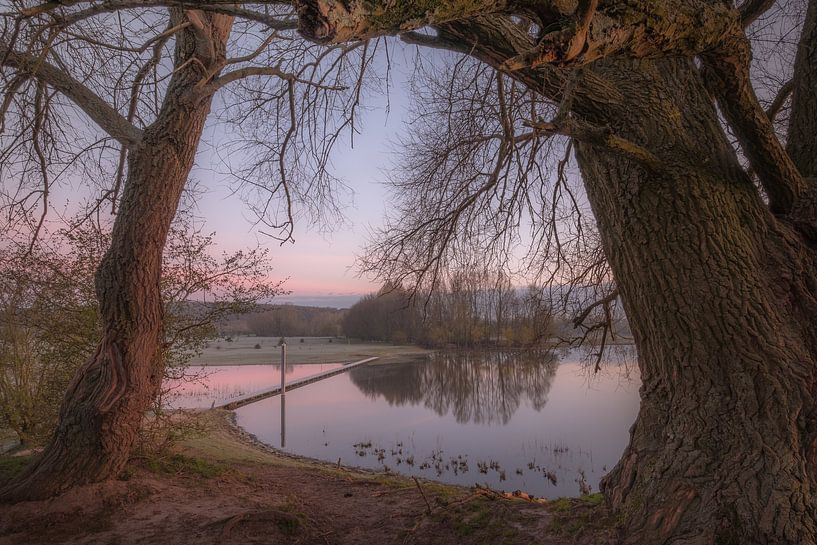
<point>107,400</point>
<point>720,295</point>
<point>802,145</point>
<point>719,288</point>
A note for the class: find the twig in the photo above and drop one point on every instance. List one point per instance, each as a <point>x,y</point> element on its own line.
<point>420,488</point>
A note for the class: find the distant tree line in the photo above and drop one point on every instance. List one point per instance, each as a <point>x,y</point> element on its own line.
<point>285,321</point>
<point>468,309</point>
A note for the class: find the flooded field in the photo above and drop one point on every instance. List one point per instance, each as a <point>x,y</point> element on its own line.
<point>216,385</point>
<point>532,422</point>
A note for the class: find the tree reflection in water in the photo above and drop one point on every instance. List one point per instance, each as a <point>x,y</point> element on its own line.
<point>483,387</point>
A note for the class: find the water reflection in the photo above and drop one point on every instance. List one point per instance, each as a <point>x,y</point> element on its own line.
<point>511,421</point>
<point>475,387</point>
<point>283,420</point>
<point>204,387</point>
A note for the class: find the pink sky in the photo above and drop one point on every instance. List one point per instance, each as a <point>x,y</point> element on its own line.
<point>317,264</point>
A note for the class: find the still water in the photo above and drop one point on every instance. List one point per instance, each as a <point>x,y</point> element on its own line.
<point>212,385</point>
<point>531,422</point>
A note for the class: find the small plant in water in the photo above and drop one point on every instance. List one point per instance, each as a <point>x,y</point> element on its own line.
<point>584,488</point>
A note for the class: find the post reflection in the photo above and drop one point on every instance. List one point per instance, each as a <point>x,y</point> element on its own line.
<point>483,387</point>
<point>283,421</point>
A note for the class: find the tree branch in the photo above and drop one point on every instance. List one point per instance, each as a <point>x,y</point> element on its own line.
<point>271,71</point>
<point>593,30</point>
<point>802,136</point>
<point>727,75</point>
<point>609,298</point>
<point>337,21</point>
<point>226,8</point>
<point>598,136</point>
<point>751,10</point>
<point>780,99</point>
<point>435,42</point>
<point>102,113</point>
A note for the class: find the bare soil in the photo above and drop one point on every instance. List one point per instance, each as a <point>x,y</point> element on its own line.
<point>225,488</point>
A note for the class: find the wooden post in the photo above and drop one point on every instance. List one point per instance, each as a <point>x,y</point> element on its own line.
<point>283,393</point>
<point>283,421</point>
<point>283,368</point>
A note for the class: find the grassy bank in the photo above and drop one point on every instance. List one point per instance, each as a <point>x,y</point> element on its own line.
<point>222,487</point>
<point>243,351</point>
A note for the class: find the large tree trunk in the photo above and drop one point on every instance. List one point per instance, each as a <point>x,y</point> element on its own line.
<point>720,293</point>
<point>106,402</point>
<point>721,298</point>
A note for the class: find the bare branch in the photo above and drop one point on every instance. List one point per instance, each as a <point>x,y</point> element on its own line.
<point>728,77</point>
<point>273,21</point>
<point>108,119</point>
<point>751,10</point>
<point>779,100</point>
<point>609,298</point>
<point>592,31</point>
<point>271,71</point>
<point>598,136</point>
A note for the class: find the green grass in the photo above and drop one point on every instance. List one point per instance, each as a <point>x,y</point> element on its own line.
<point>179,464</point>
<point>576,516</point>
<point>11,466</point>
<point>593,499</point>
<point>481,519</point>
<point>290,520</point>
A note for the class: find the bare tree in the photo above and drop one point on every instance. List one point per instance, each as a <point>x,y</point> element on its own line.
<point>709,233</point>
<point>477,188</point>
<point>49,323</point>
<point>116,95</point>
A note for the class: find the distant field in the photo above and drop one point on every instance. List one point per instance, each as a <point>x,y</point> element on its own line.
<point>242,351</point>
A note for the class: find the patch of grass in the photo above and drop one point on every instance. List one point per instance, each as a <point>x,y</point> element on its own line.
<point>593,499</point>
<point>289,517</point>
<point>289,525</point>
<point>481,520</point>
<point>395,482</point>
<point>179,464</point>
<point>561,505</point>
<point>575,517</point>
<point>11,466</point>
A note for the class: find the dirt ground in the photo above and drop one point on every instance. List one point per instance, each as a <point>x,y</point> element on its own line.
<point>224,488</point>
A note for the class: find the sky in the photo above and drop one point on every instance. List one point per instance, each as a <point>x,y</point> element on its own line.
<point>319,266</point>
